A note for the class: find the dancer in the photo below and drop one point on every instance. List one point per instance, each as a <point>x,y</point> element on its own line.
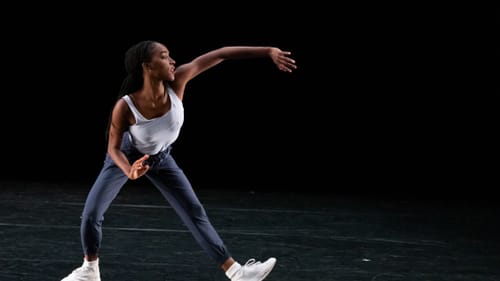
<point>145,121</point>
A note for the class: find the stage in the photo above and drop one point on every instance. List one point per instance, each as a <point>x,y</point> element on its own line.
<point>314,236</point>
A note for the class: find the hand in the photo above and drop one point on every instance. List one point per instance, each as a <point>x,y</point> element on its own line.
<point>138,168</point>
<point>282,60</point>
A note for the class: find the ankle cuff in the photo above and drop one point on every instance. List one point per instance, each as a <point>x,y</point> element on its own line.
<point>231,271</point>
<point>94,263</point>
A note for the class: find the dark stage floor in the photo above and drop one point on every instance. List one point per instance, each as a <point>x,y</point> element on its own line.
<point>314,236</point>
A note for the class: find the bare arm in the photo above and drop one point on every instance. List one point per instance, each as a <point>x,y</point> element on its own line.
<point>184,73</point>
<point>120,120</point>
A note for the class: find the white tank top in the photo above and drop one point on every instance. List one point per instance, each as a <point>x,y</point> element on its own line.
<point>150,136</point>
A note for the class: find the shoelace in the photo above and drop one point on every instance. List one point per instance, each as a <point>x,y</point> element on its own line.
<point>251,262</point>
<point>80,269</point>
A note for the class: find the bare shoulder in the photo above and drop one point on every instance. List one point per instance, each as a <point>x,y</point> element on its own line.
<point>188,71</point>
<point>121,105</point>
<point>122,113</point>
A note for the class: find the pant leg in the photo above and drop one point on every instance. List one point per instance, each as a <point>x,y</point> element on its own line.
<point>104,190</point>
<point>177,190</point>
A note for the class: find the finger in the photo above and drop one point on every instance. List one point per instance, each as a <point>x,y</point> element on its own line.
<point>285,69</point>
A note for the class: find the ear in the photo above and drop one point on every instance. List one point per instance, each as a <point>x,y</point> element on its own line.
<point>146,66</point>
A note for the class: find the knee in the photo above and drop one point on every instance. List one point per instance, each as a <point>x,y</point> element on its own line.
<point>198,212</point>
<point>91,219</point>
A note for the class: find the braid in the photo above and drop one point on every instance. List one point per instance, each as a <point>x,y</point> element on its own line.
<point>134,58</point>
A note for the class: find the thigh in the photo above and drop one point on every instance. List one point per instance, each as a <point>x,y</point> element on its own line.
<point>105,189</point>
<point>174,185</point>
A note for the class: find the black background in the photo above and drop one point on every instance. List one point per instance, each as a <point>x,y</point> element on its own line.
<point>368,111</point>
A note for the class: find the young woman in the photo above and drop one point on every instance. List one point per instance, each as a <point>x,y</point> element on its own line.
<point>144,122</point>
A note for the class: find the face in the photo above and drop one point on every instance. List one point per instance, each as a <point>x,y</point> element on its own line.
<point>162,66</point>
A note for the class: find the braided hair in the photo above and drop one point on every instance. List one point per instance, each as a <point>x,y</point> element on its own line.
<point>135,56</point>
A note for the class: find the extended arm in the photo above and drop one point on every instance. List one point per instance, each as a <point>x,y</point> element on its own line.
<point>184,73</point>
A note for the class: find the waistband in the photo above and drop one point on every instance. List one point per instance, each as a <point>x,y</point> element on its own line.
<point>158,157</point>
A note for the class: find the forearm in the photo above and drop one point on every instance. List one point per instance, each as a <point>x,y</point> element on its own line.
<point>243,52</point>
<point>120,160</point>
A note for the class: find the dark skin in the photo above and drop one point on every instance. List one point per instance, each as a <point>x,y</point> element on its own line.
<point>152,101</point>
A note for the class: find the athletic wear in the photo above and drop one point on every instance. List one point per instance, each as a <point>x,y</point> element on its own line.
<point>165,175</point>
<point>150,136</point>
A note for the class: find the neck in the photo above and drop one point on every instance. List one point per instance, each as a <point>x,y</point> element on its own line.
<point>153,88</point>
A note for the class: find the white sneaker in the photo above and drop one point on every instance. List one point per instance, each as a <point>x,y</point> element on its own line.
<point>84,273</point>
<point>253,270</point>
